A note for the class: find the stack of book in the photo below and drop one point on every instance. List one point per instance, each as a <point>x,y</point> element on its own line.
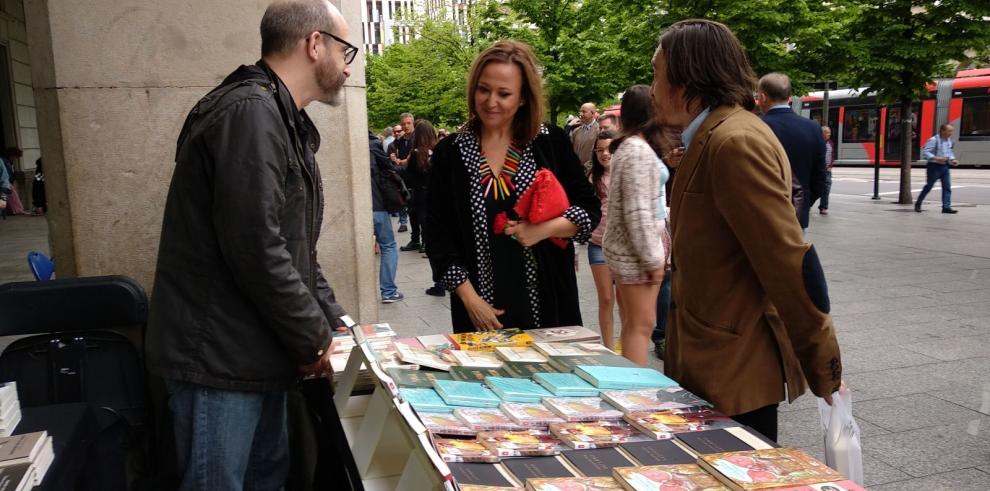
<point>665,424</point>
<point>489,340</point>
<point>471,394</point>
<point>565,384</point>
<point>613,377</point>
<point>10,408</point>
<point>24,460</point>
<point>517,389</point>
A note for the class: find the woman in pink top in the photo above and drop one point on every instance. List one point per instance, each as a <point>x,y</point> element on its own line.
<point>601,160</point>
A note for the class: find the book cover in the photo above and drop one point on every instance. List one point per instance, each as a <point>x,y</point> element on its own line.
<point>653,399</point>
<point>687,477</point>
<point>596,462</point>
<point>567,364</point>
<point>517,389</point>
<point>477,359</point>
<point>560,349</point>
<point>596,434</point>
<point>520,354</point>
<point>473,374</point>
<point>536,467</point>
<point>445,424</point>
<point>569,334</point>
<point>422,357</point>
<point>565,384</point>
<point>436,342</point>
<point>713,441</point>
<point>525,369</point>
<point>768,468</point>
<point>623,377</point>
<point>425,400</point>
<point>21,449</point>
<point>454,450</point>
<point>530,415</point>
<point>826,486</point>
<point>372,331</point>
<point>474,474</point>
<point>410,342</point>
<point>582,408</point>
<point>664,424</point>
<point>523,443</point>
<point>485,419</point>
<point>489,340</point>
<point>16,477</point>
<point>573,484</point>
<point>472,394</point>
<point>658,452</point>
<point>415,378</point>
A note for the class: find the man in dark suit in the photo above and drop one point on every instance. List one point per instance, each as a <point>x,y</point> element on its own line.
<point>801,138</point>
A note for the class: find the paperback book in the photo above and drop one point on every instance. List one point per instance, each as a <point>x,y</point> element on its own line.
<point>437,342</point>
<point>472,394</point>
<point>479,476</point>
<point>687,477</point>
<point>422,357</point>
<point>560,349</point>
<point>415,378</point>
<point>474,374</point>
<point>477,359</point>
<point>567,364</point>
<point>484,419</point>
<point>564,334</point>
<point>454,450</point>
<point>530,415</point>
<point>525,369</point>
<point>425,400</point>
<point>573,409</point>
<point>489,340</point>
<point>826,486</point>
<point>19,477</point>
<point>565,384</point>
<point>372,331</point>
<point>523,443</point>
<point>658,452</point>
<point>595,434</point>
<point>662,425</point>
<point>623,377</point>
<point>573,484</point>
<point>445,424</point>
<point>632,401</point>
<point>767,469</point>
<point>596,462</point>
<point>536,467</point>
<point>517,389</point>
<point>517,354</point>
<point>719,441</point>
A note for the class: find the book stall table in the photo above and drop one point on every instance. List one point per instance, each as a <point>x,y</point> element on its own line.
<point>554,413</point>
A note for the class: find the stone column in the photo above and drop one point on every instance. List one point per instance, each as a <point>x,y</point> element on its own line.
<point>113,82</point>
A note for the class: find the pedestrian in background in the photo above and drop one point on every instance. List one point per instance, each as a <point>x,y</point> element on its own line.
<point>633,242</point>
<point>601,162</point>
<point>14,205</point>
<point>585,133</point>
<point>38,197</point>
<point>388,254</point>
<point>398,153</point>
<point>829,161</point>
<point>939,156</point>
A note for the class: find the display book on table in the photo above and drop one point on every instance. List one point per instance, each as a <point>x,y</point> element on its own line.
<point>25,459</point>
<point>10,408</point>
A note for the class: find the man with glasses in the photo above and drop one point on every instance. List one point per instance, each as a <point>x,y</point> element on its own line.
<point>241,309</point>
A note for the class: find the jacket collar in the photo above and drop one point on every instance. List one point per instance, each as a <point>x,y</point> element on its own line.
<point>297,120</point>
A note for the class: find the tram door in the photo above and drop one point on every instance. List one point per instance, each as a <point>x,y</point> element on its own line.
<point>892,138</point>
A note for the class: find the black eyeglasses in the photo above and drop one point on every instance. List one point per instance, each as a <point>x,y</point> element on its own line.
<point>350,51</point>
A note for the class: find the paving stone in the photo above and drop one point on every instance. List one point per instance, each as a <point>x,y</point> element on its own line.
<point>930,450</point>
<point>910,412</point>
<point>961,480</point>
<point>974,397</point>
<point>868,359</point>
<point>802,428</point>
<point>955,348</point>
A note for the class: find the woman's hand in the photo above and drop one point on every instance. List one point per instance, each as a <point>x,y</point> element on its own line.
<point>673,157</point>
<point>483,316</point>
<point>527,233</point>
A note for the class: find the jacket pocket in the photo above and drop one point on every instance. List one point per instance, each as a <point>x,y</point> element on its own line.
<point>716,329</point>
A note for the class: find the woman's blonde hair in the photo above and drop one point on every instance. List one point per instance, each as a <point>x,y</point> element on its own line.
<point>529,117</point>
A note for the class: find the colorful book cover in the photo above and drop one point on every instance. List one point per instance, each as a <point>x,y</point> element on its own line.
<point>623,377</point>
<point>371,331</point>
<point>423,357</point>
<point>520,354</point>
<point>445,424</point>
<point>415,378</point>
<point>664,424</point>
<point>573,484</point>
<point>567,364</point>
<point>653,399</point>
<point>530,415</point>
<point>565,384</point>
<point>524,369</point>
<point>454,450</point>
<point>485,419</point>
<point>436,342</point>
<point>767,468</point>
<point>536,467</point>
<point>568,334</point>
<point>560,349</point>
<point>596,462</point>
<point>686,477</point>
<point>594,434</point>
<point>582,408</point>
<point>658,452</point>
<point>474,374</point>
<point>826,486</point>
<point>472,394</point>
<point>425,400</point>
<point>517,389</point>
<point>489,340</point>
<point>524,443</point>
<point>477,359</point>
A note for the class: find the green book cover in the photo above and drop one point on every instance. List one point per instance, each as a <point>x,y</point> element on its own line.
<point>425,400</point>
<point>475,374</point>
<point>517,389</point>
<point>525,369</point>
<point>472,394</point>
<point>415,378</point>
<point>568,363</point>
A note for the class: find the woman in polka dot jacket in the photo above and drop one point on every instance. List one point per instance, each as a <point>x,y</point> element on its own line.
<point>515,278</point>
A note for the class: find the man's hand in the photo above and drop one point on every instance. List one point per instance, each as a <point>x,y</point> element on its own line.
<point>321,367</point>
<point>954,162</point>
<point>842,389</point>
<point>673,157</point>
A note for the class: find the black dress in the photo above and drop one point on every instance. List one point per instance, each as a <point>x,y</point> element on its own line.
<point>537,286</point>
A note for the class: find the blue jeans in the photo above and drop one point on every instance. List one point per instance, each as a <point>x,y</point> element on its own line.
<point>937,172</point>
<point>663,308</point>
<point>388,252</point>
<point>595,254</point>
<point>229,440</point>
<point>823,204</point>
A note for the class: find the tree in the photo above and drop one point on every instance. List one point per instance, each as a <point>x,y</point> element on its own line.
<point>901,46</point>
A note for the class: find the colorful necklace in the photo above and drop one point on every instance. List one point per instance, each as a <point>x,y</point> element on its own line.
<point>500,187</point>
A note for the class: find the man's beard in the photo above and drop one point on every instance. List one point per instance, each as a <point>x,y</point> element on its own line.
<point>330,83</point>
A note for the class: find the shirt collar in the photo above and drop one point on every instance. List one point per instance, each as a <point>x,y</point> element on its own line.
<point>779,106</point>
<point>688,134</point>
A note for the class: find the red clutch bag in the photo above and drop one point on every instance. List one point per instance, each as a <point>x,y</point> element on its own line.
<point>544,200</point>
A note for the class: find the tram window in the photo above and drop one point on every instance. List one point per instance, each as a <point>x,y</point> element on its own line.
<point>975,118</point>
<point>859,125</point>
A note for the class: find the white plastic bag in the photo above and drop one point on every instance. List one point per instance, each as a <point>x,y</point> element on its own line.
<point>843,450</point>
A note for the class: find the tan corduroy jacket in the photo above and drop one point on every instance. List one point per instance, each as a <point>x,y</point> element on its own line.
<point>749,309</point>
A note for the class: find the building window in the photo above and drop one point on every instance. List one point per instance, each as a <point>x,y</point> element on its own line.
<point>975,123</point>
<point>859,125</point>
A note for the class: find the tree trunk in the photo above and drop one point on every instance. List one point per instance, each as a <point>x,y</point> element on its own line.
<point>904,196</point>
